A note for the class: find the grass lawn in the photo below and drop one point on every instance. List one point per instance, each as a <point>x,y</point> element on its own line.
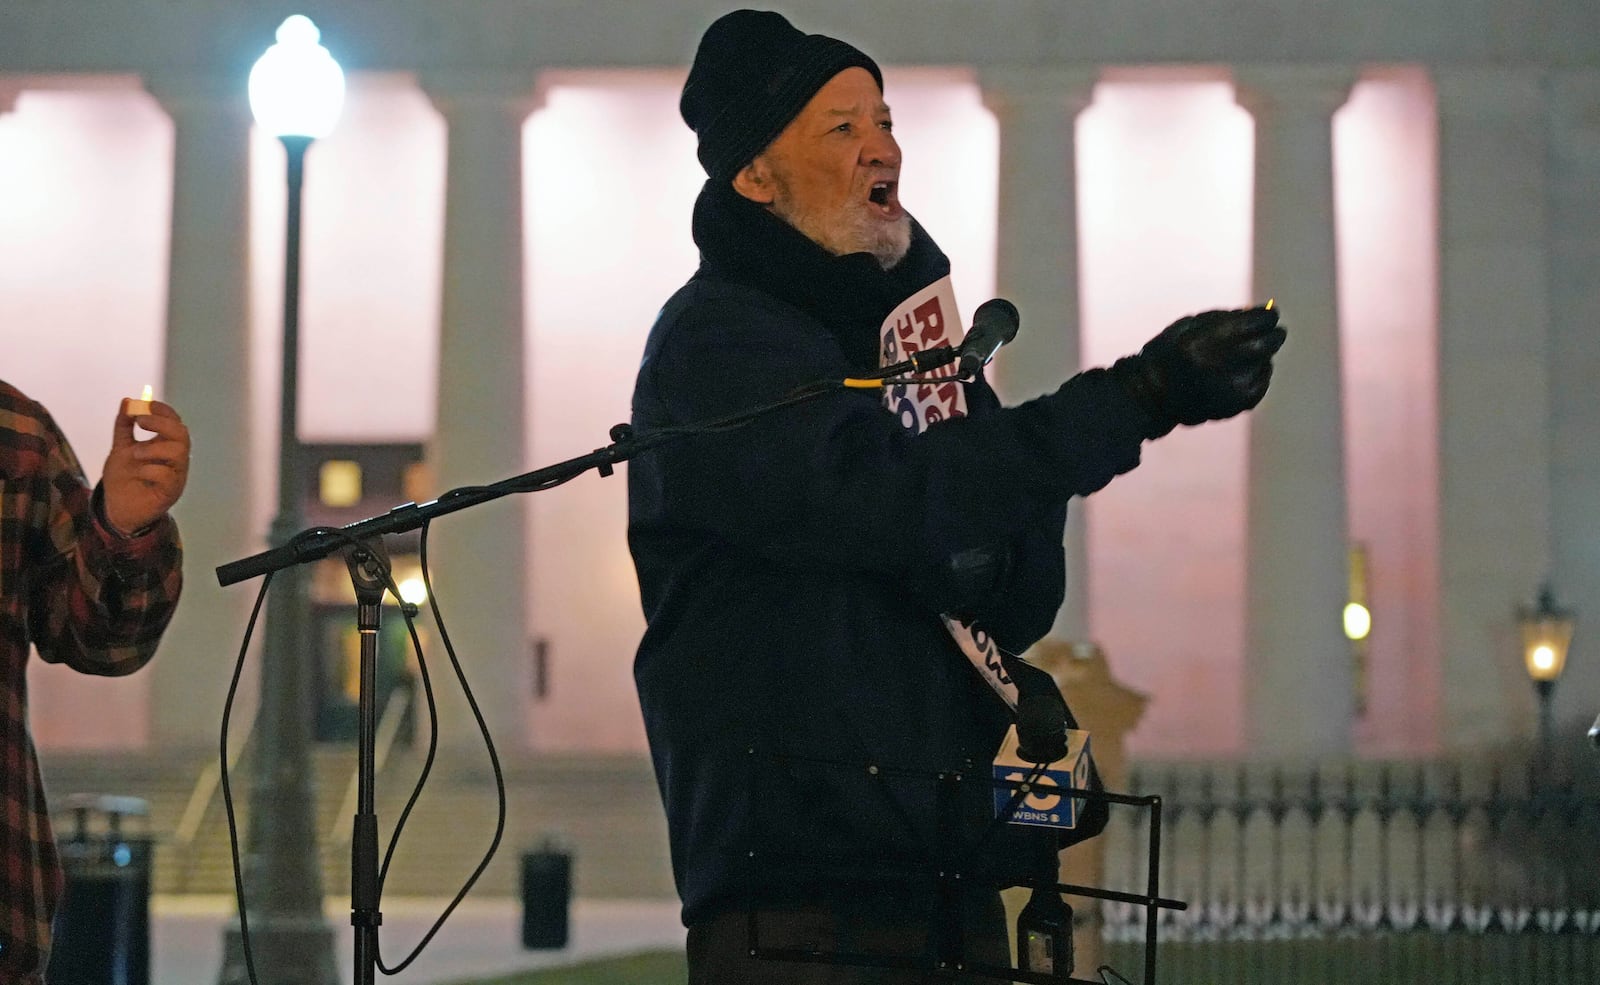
<point>1398,959</point>
<point>648,968</point>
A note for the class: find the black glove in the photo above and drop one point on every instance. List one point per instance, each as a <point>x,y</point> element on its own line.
<point>1205,367</point>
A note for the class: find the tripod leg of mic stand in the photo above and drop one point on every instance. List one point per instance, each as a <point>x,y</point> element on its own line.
<point>364,913</point>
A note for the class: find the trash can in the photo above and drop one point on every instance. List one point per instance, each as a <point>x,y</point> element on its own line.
<point>102,929</point>
<point>546,893</point>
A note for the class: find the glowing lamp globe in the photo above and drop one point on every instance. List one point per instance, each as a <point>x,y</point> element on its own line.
<point>1357,621</point>
<point>1546,635</point>
<point>296,88</point>
<point>413,590</point>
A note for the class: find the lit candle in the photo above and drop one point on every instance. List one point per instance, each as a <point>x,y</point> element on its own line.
<point>140,407</point>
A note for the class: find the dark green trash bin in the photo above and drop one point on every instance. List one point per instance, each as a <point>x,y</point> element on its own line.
<point>546,895</point>
<point>102,930</point>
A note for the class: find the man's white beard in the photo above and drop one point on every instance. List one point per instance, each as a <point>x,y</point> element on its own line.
<point>851,229</point>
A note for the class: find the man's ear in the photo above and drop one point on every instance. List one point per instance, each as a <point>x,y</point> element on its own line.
<point>754,181</point>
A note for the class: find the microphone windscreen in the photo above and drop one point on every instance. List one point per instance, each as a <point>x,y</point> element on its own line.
<point>1041,728</point>
<point>998,315</point>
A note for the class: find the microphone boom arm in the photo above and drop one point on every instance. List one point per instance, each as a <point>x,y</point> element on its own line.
<point>993,325</point>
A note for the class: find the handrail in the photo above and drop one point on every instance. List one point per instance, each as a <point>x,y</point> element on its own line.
<point>200,799</point>
<point>383,739</point>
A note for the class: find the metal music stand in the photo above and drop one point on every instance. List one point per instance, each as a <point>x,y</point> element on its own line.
<point>947,877</point>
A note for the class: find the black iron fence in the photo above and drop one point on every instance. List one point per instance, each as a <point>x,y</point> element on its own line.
<point>1436,873</point>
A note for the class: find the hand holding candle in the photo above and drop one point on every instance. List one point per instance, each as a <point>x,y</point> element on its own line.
<point>1206,367</point>
<point>140,407</point>
<point>142,479</point>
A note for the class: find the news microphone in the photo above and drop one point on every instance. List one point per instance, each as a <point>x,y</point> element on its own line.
<point>993,325</point>
<point>1042,718</point>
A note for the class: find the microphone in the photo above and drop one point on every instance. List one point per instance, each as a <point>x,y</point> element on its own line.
<point>1594,732</point>
<point>993,325</point>
<point>1042,719</point>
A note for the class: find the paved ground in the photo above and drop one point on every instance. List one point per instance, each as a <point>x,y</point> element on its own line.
<point>482,937</point>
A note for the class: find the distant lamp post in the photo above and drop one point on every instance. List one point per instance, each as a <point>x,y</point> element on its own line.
<point>296,93</point>
<point>1357,619</point>
<point>1546,634</point>
<point>1357,622</point>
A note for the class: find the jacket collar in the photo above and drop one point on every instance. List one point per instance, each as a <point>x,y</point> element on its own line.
<point>741,241</point>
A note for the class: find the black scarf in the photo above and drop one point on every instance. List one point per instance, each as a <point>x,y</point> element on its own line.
<point>741,241</point>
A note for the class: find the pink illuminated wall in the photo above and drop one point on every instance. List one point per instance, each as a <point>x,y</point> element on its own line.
<point>84,198</point>
<point>611,175</point>
<point>1164,216</point>
<point>1165,207</point>
<point>1384,154</point>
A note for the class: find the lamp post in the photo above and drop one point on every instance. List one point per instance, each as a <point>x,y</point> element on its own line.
<point>296,93</point>
<point>1546,634</point>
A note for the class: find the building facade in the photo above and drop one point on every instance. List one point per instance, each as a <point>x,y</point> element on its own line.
<point>506,203</point>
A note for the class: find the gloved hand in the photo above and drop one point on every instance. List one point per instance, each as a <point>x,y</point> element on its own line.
<point>1205,367</point>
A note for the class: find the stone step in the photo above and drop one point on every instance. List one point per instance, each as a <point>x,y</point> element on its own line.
<point>605,811</point>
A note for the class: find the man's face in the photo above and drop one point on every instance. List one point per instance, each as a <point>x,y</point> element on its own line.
<point>834,172</point>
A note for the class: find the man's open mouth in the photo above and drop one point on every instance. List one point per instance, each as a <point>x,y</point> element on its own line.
<point>885,199</point>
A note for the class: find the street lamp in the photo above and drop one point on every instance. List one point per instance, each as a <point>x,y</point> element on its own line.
<point>296,93</point>
<point>1546,634</point>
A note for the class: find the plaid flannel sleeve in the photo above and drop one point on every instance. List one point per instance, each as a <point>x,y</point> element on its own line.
<point>99,601</point>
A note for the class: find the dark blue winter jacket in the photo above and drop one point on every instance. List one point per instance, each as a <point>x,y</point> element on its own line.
<point>801,695</point>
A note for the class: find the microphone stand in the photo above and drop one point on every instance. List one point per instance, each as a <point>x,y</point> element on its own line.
<point>369,572</point>
<point>362,543</point>
<point>316,543</point>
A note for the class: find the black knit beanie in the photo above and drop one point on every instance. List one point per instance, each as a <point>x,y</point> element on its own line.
<point>753,73</point>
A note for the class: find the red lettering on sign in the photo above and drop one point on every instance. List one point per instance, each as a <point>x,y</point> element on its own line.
<point>904,327</point>
<point>930,316</point>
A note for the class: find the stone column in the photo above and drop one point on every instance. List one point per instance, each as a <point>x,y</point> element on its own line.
<point>480,556</point>
<point>1109,711</point>
<point>207,378</point>
<point>1494,390</point>
<point>1299,678</point>
<point>1574,164</point>
<point>1036,263</point>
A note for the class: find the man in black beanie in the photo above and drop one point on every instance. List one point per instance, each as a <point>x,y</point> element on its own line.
<point>836,591</point>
